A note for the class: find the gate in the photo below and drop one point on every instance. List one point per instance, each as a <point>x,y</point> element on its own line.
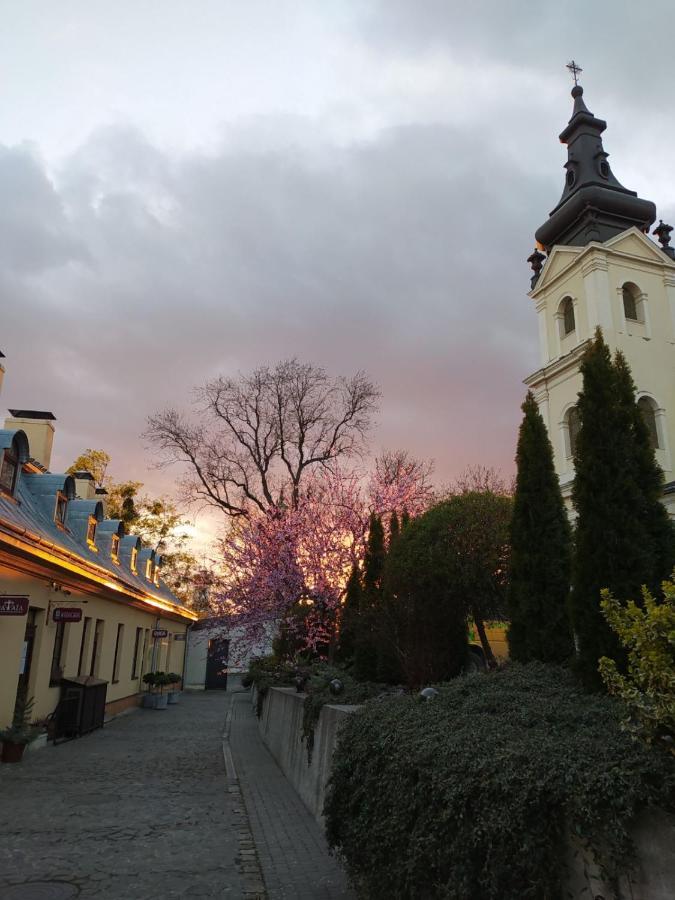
<point>216,664</point>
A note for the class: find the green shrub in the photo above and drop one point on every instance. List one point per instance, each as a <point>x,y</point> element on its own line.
<point>648,690</point>
<point>473,794</point>
<point>266,672</point>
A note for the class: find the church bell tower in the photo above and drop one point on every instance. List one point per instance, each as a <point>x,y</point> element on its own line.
<point>595,264</point>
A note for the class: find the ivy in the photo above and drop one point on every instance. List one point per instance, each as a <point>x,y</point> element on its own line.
<point>475,793</point>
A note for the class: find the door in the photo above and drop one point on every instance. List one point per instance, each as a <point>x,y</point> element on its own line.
<point>27,653</point>
<point>216,664</point>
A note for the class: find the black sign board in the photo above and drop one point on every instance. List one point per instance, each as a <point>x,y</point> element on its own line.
<point>11,605</point>
<point>159,632</point>
<point>179,637</point>
<point>67,614</point>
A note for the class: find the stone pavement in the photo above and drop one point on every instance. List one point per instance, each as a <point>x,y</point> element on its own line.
<point>137,811</point>
<point>152,806</point>
<point>291,848</point>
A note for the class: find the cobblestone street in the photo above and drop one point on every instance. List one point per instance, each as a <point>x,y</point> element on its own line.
<point>147,809</point>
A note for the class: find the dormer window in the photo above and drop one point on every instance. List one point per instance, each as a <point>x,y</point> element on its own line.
<point>148,569</point>
<point>115,548</point>
<point>61,509</point>
<point>134,557</point>
<point>91,532</point>
<point>8,471</point>
<point>156,578</point>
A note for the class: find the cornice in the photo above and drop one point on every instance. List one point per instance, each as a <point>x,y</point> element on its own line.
<point>558,366</point>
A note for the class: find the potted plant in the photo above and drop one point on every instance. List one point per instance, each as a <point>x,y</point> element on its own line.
<point>20,733</point>
<point>173,680</point>
<point>156,699</point>
<point>148,701</point>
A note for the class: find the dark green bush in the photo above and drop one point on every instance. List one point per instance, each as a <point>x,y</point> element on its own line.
<point>472,795</point>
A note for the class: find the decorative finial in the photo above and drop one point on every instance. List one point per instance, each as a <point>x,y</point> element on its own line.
<point>662,231</point>
<point>575,71</point>
<point>536,261</point>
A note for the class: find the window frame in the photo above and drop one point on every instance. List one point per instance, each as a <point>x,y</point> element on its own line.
<point>119,640</point>
<point>56,668</point>
<point>567,312</point>
<point>61,506</point>
<point>115,549</point>
<point>647,403</point>
<point>134,666</point>
<point>9,456</point>
<point>92,524</point>
<point>133,561</point>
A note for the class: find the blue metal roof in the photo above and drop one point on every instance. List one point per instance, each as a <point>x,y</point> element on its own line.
<point>31,510</point>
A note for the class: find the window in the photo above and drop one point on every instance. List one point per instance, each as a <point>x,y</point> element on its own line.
<point>647,408</point>
<point>134,557</point>
<point>8,471</point>
<point>83,645</point>
<point>61,509</point>
<point>573,428</point>
<point>156,579</point>
<point>96,649</point>
<point>115,548</point>
<point>631,302</point>
<point>118,653</point>
<point>56,672</point>
<point>567,310</point>
<point>91,532</point>
<point>134,667</point>
<point>148,569</point>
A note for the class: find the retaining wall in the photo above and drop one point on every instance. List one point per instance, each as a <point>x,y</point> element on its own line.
<point>281,729</point>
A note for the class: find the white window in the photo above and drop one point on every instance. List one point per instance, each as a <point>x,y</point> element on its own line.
<point>115,548</point>
<point>61,509</point>
<point>632,302</point>
<point>8,471</point>
<point>647,408</point>
<point>567,312</point>
<point>91,532</point>
<point>134,557</point>
<point>572,428</point>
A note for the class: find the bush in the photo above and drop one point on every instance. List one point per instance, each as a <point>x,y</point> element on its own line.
<point>473,794</point>
<point>648,690</point>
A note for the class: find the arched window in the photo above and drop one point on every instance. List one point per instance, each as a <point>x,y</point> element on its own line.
<point>573,422</point>
<point>647,408</point>
<point>567,311</point>
<point>631,302</point>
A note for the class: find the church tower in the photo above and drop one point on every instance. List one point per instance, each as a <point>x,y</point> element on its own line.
<point>595,265</point>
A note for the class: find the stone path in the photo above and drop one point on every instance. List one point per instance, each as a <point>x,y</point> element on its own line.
<point>154,806</point>
<point>291,848</point>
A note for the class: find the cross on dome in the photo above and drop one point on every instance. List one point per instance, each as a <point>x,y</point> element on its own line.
<point>575,71</point>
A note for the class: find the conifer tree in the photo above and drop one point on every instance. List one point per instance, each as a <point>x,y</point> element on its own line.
<point>394,527</point>
<point>613,548</point>
<point>351,610</point>
<point>405,518</point>
<point>540,550</point>
<point>373,564</point>
<point>649,477</point>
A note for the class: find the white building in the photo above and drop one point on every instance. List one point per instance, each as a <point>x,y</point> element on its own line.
<point>602,269</point>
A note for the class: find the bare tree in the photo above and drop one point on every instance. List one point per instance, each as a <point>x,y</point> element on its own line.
<point>258,435</point>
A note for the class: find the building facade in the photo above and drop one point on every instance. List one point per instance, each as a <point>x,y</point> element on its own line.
<point>595,265</point>
<point>78,596</point>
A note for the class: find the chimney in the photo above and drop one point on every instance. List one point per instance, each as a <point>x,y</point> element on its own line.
<point>2,369</point>
<point>85,487</point>
<point>39,430</point>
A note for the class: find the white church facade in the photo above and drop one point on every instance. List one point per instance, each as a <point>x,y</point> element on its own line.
<point>599,267</point>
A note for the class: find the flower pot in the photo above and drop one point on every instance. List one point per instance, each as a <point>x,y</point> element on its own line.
<point>173,696</point>
<point>11,752</point>
<point>148,701</point>
<point>161,701</point>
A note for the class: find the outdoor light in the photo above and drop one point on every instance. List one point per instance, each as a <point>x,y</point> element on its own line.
<point>428,693</point>
<point>336,687</point>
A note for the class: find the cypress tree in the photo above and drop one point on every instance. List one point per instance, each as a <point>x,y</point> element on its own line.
<point>373,564</point>
<point>649,478</point>
<point>350,616</point>
<point>394,528</point>
<point>540,550</point>
<point>405,518</point>
<point>613,548</point>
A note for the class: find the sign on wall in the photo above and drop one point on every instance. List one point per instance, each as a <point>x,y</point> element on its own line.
<point>179,637</point>
<point>159,632</point>
<point>11,605</point>
<point>67,614</point>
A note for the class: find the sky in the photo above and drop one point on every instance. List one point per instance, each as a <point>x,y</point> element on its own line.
<point>190,189</point>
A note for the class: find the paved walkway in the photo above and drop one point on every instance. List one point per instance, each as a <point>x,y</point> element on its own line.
<point>149,808</point>
<point>291,848</point>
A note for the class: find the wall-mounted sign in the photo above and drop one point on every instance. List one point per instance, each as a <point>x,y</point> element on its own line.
<point>13,606</point>
<point>67,614</point>
<point>159,632</point>
<point>179,637</point>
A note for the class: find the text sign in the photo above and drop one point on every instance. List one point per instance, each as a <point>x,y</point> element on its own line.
<point>179,637</point>
<point>13,606</point>
<point>67,614</point>
<point>159,632</point>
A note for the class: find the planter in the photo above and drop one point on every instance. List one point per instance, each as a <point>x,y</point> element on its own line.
<point>148,701</point>
<point>173,696</point>
<point>11,752</point>
<point>161,701</point>
<point>38,744</point>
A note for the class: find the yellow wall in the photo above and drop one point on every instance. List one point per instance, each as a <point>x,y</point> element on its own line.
<point>112,613</point>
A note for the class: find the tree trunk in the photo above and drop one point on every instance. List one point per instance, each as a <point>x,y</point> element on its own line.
<point>485,644</point>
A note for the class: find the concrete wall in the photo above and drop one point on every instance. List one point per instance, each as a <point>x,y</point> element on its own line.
<point>281,729</point>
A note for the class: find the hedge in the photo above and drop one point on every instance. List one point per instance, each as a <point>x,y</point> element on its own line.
<point>474,794</point>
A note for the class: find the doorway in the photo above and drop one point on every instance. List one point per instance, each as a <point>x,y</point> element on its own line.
<point>216,664</point>
<point>27,653</point>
